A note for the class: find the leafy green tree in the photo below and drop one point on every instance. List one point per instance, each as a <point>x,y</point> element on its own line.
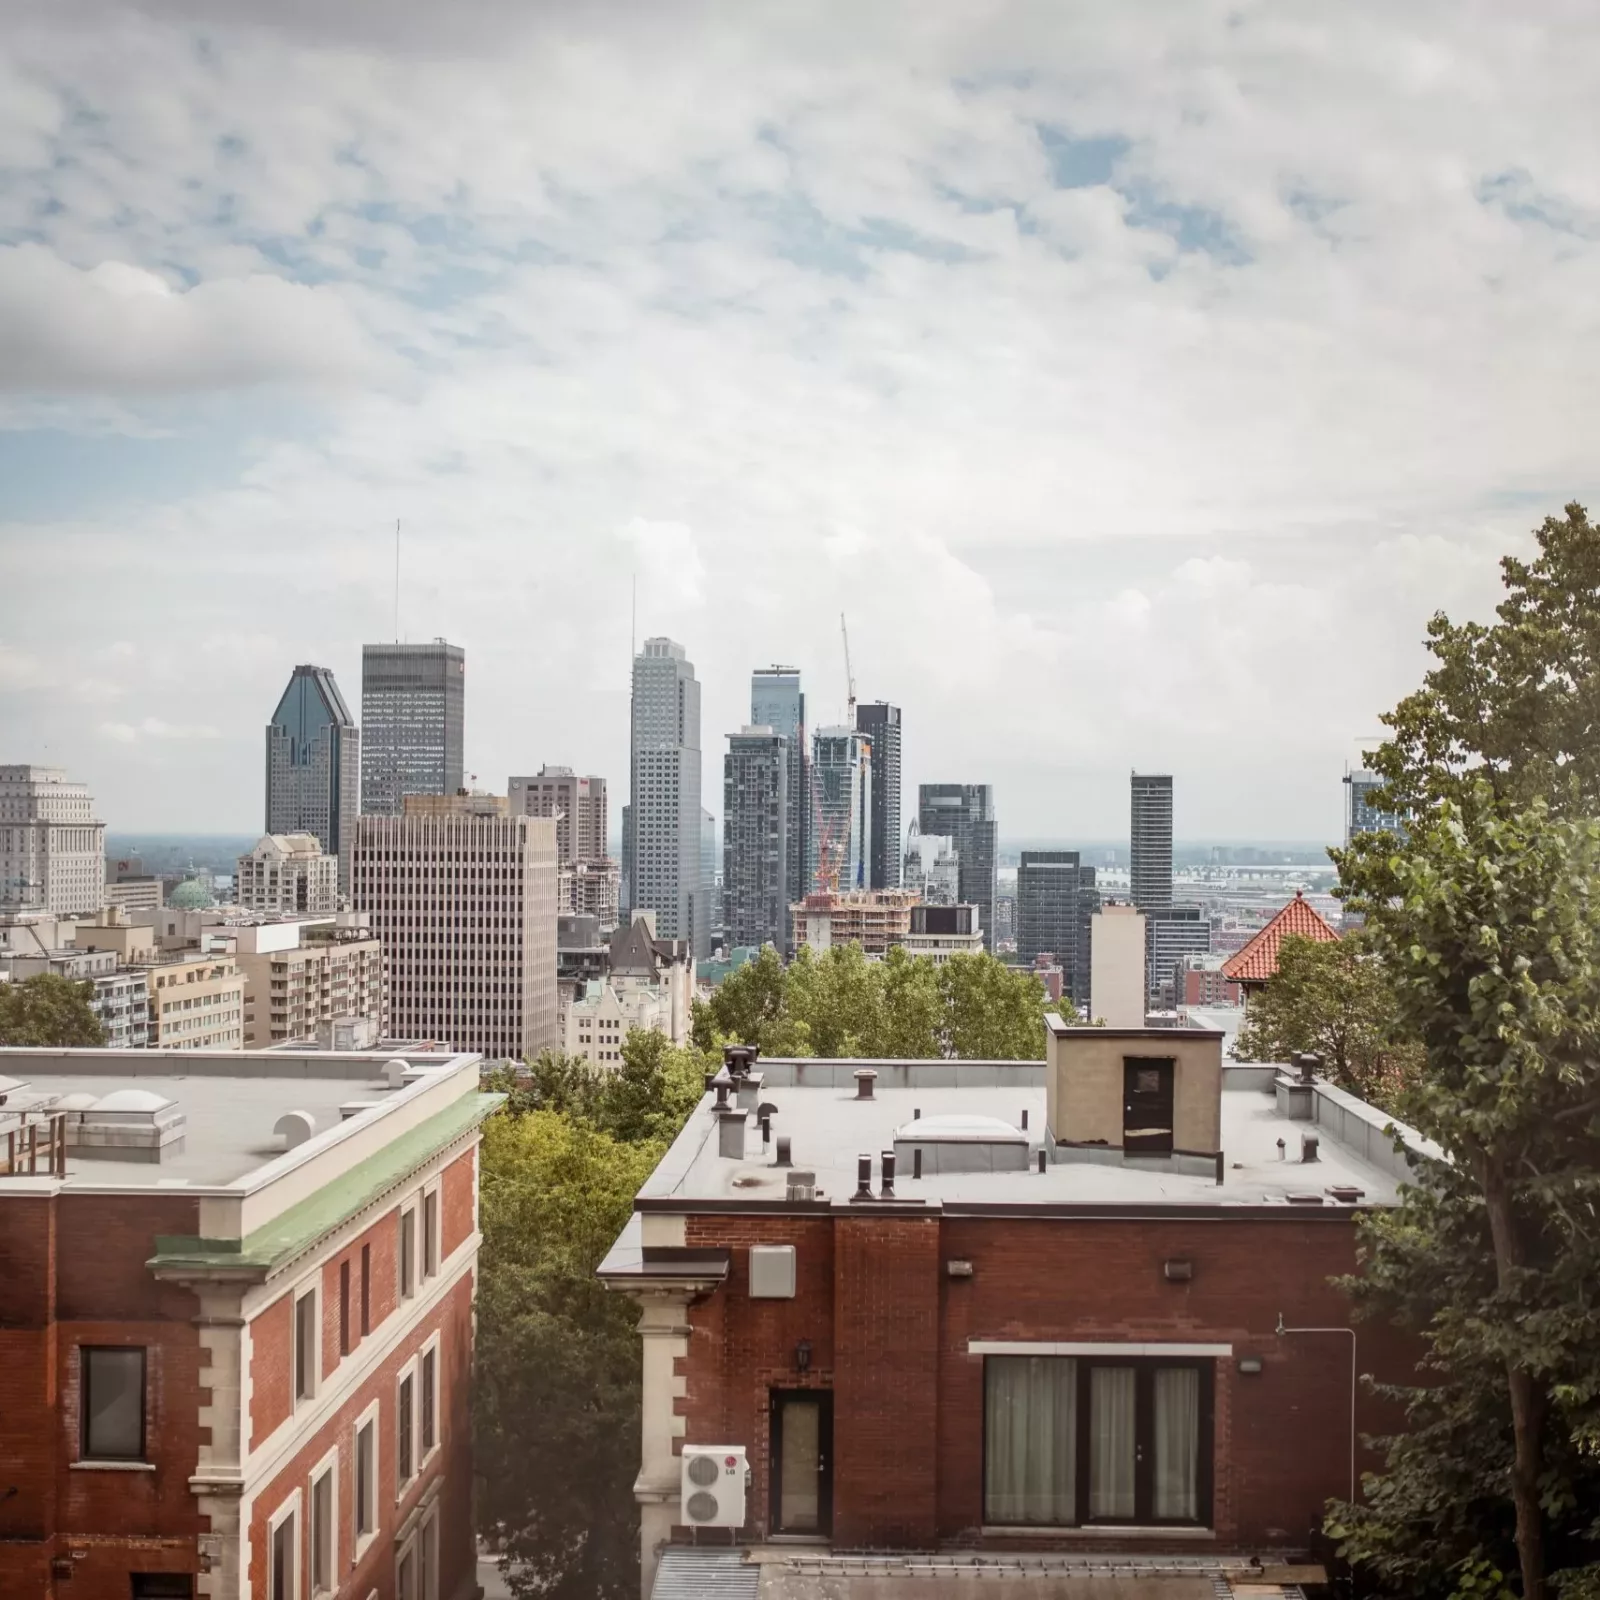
<point>992,1012</point>
<point>748,1006</point>
<point>1514,703</point>
<point>913,1009</point>
<point>1335,1000</point>
<point>1488,923</point>
<point>49,1012</point>
<point>557,1361</point>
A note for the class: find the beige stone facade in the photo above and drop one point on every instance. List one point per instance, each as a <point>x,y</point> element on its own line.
<point>334,973</point>
<point>196,1003</point>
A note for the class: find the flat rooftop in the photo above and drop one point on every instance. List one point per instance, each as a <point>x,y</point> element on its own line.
<point>230,1101</point>
<point>828,1127</point>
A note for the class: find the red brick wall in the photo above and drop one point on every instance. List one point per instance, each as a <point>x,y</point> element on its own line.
<point>457,1553</point>
<point>457,1195</point>
<point>890,1331</point>
<point>271,1368</point>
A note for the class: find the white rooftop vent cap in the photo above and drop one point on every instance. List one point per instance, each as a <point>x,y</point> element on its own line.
<point>395,1072</point>
<point>295,1127</point>
<point>132,1100</point>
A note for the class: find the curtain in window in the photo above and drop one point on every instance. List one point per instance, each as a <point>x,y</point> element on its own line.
<point>1111,1443</point>
<point>1177,1440</point>
<point>1031,1444</point>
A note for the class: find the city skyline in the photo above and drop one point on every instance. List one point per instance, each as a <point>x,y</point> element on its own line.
<point>1271,388</point>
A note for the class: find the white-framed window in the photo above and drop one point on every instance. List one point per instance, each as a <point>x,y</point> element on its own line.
<point>430,1231</point>
<point>283,1551</point>
<point>307,1345</point>
<point>428,1556</point>
<point>364,1466</point>
<point>408,1252</point>
<point>428,1369</point>
<point>405,1571</point>
<point>405,1427</point>
<point>325,1524</point>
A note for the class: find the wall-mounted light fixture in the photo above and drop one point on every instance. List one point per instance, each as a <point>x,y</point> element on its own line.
<point>958,1269</point>
<point>1250,1365</point>
<point>802,1356</point>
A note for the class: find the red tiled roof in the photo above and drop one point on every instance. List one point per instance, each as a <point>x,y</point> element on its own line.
<point>1259,959</point>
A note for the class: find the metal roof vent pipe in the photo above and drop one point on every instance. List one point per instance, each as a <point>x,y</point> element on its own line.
<point>730,1135</point>
<point>886,1189</point>
<point>863,1178</point>
<point>865,1079</point>
<point>783,1158</point>
<point>1309,1067</point>
<point>1308,1147</point>
<point>721,1086</point>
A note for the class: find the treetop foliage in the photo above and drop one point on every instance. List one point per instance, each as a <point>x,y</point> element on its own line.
<point>49,1012</point>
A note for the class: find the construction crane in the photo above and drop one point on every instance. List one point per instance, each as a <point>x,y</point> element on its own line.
<point>849,675</point>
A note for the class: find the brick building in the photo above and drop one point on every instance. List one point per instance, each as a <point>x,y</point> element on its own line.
<point>236,1330</point>
<point>1074,1306</point>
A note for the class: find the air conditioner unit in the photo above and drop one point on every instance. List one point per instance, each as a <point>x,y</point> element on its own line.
<point>715,1477</point>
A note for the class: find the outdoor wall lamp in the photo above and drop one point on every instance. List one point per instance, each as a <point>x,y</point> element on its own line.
<point>802,1356</point>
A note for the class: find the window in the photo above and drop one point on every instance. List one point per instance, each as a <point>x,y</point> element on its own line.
<point>324,1537</point>
<point>428,1557</point>
<point>428,1392</point>
<point>112,1404</point>
<point>344,1307</point>
<point>404,1466</point>
<point>305,1345</point>
<point>366,1495</point>
<point>162,1586</point>
<point>405,1576</point>
<point>430,1233</point>
<point>366,1290</point>
<point>1069,1440</point>
<point>408,1252</point>
<point>283,1552</point>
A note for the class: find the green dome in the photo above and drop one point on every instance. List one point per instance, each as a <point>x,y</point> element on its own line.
<point>191,895</point>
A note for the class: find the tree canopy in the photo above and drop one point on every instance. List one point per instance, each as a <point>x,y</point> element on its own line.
<point>1333,999</point>
<point>557,1361</point>
<point>49,1012</point>
<point>840,1003</point>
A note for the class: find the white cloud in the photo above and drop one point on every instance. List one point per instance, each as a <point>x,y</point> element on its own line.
<point>155,728</point>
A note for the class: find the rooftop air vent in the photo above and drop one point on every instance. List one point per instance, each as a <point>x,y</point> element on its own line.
<point>294,1128</point>
<point>960,1143</point>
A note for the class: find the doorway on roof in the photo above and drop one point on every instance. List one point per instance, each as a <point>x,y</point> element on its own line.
<point>802,1461</point>
<point>1147,1106</point>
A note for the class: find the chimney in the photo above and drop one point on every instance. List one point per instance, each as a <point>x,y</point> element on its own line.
<point>886,1191</point>
<point>863,1178</point>
<point>730,1135</point>
<point>783,1159</point>
<point>1308,1147</point>
<point>865,1078</point>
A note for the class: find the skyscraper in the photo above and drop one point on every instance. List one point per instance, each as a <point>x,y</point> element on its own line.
<point>965,813</point>
<point>880,721</point>
<point>577,804</point>
<point>463,896</point>
<point>413,700</point>
<point>1056,899</point>
<point>1360,815</point>
<point>52,847</point>
<point>663,851</point>
<point>777,702</point>
<point>755,835</point>
<point>314,765</point>
<point>1150,842</point>
<point>840,843</point>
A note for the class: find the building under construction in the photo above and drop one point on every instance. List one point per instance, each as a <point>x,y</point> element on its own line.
<point>875,919</point>
<point>840,843</point>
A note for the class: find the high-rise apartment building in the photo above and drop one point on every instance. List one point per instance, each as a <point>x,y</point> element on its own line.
<point>1150,840</point>
<point>840,842</point>
<point>777,702</point>
<point>286,874</point>
<point>1173,933</point>
<point>1360,815</point>
<point>664,809</point>
<point>755,837</point>
<point>301,978</point>
<point>964,813</point>
<point>463,896</point>
<point>314,765</point>
<point>577,803</point>
<point>880,722</point>
<point>413,703</point>
<point>1056,898</point>
<point>52,848</point>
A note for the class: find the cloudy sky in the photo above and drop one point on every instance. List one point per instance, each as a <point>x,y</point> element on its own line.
<point>1138,377</point>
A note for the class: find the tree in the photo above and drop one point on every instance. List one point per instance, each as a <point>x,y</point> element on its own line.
<point>1488,921</point>
<point>557,1364</point>
<point>1332,999</point>
<point>992,1012</point>
<point>1516,703</point>
<point>748,1005</point>
<point>49,1012</point>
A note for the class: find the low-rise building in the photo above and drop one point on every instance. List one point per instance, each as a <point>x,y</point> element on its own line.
<point>940,932</point>
<point>1254,965</point>
<point>119,995</point>
<point>287,874</point>
<point>196,1001</point>
<point>1087,1305</point>
<point>302,977</point>
<point>600,1016</point>
<point>1205,985</point>
<point>871,918</point>
<point>238,1324</point>
<point>133,894</point>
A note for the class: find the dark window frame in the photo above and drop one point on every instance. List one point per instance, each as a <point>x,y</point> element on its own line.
<point>1145,1369</point>
<point>86,1410</point>
<point>405,1432</point>
<point>344,1307</point>
<point>305,1361</point>
<point>366,1290</point>
<point>428,1400</point>
<point>364,1486</point>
